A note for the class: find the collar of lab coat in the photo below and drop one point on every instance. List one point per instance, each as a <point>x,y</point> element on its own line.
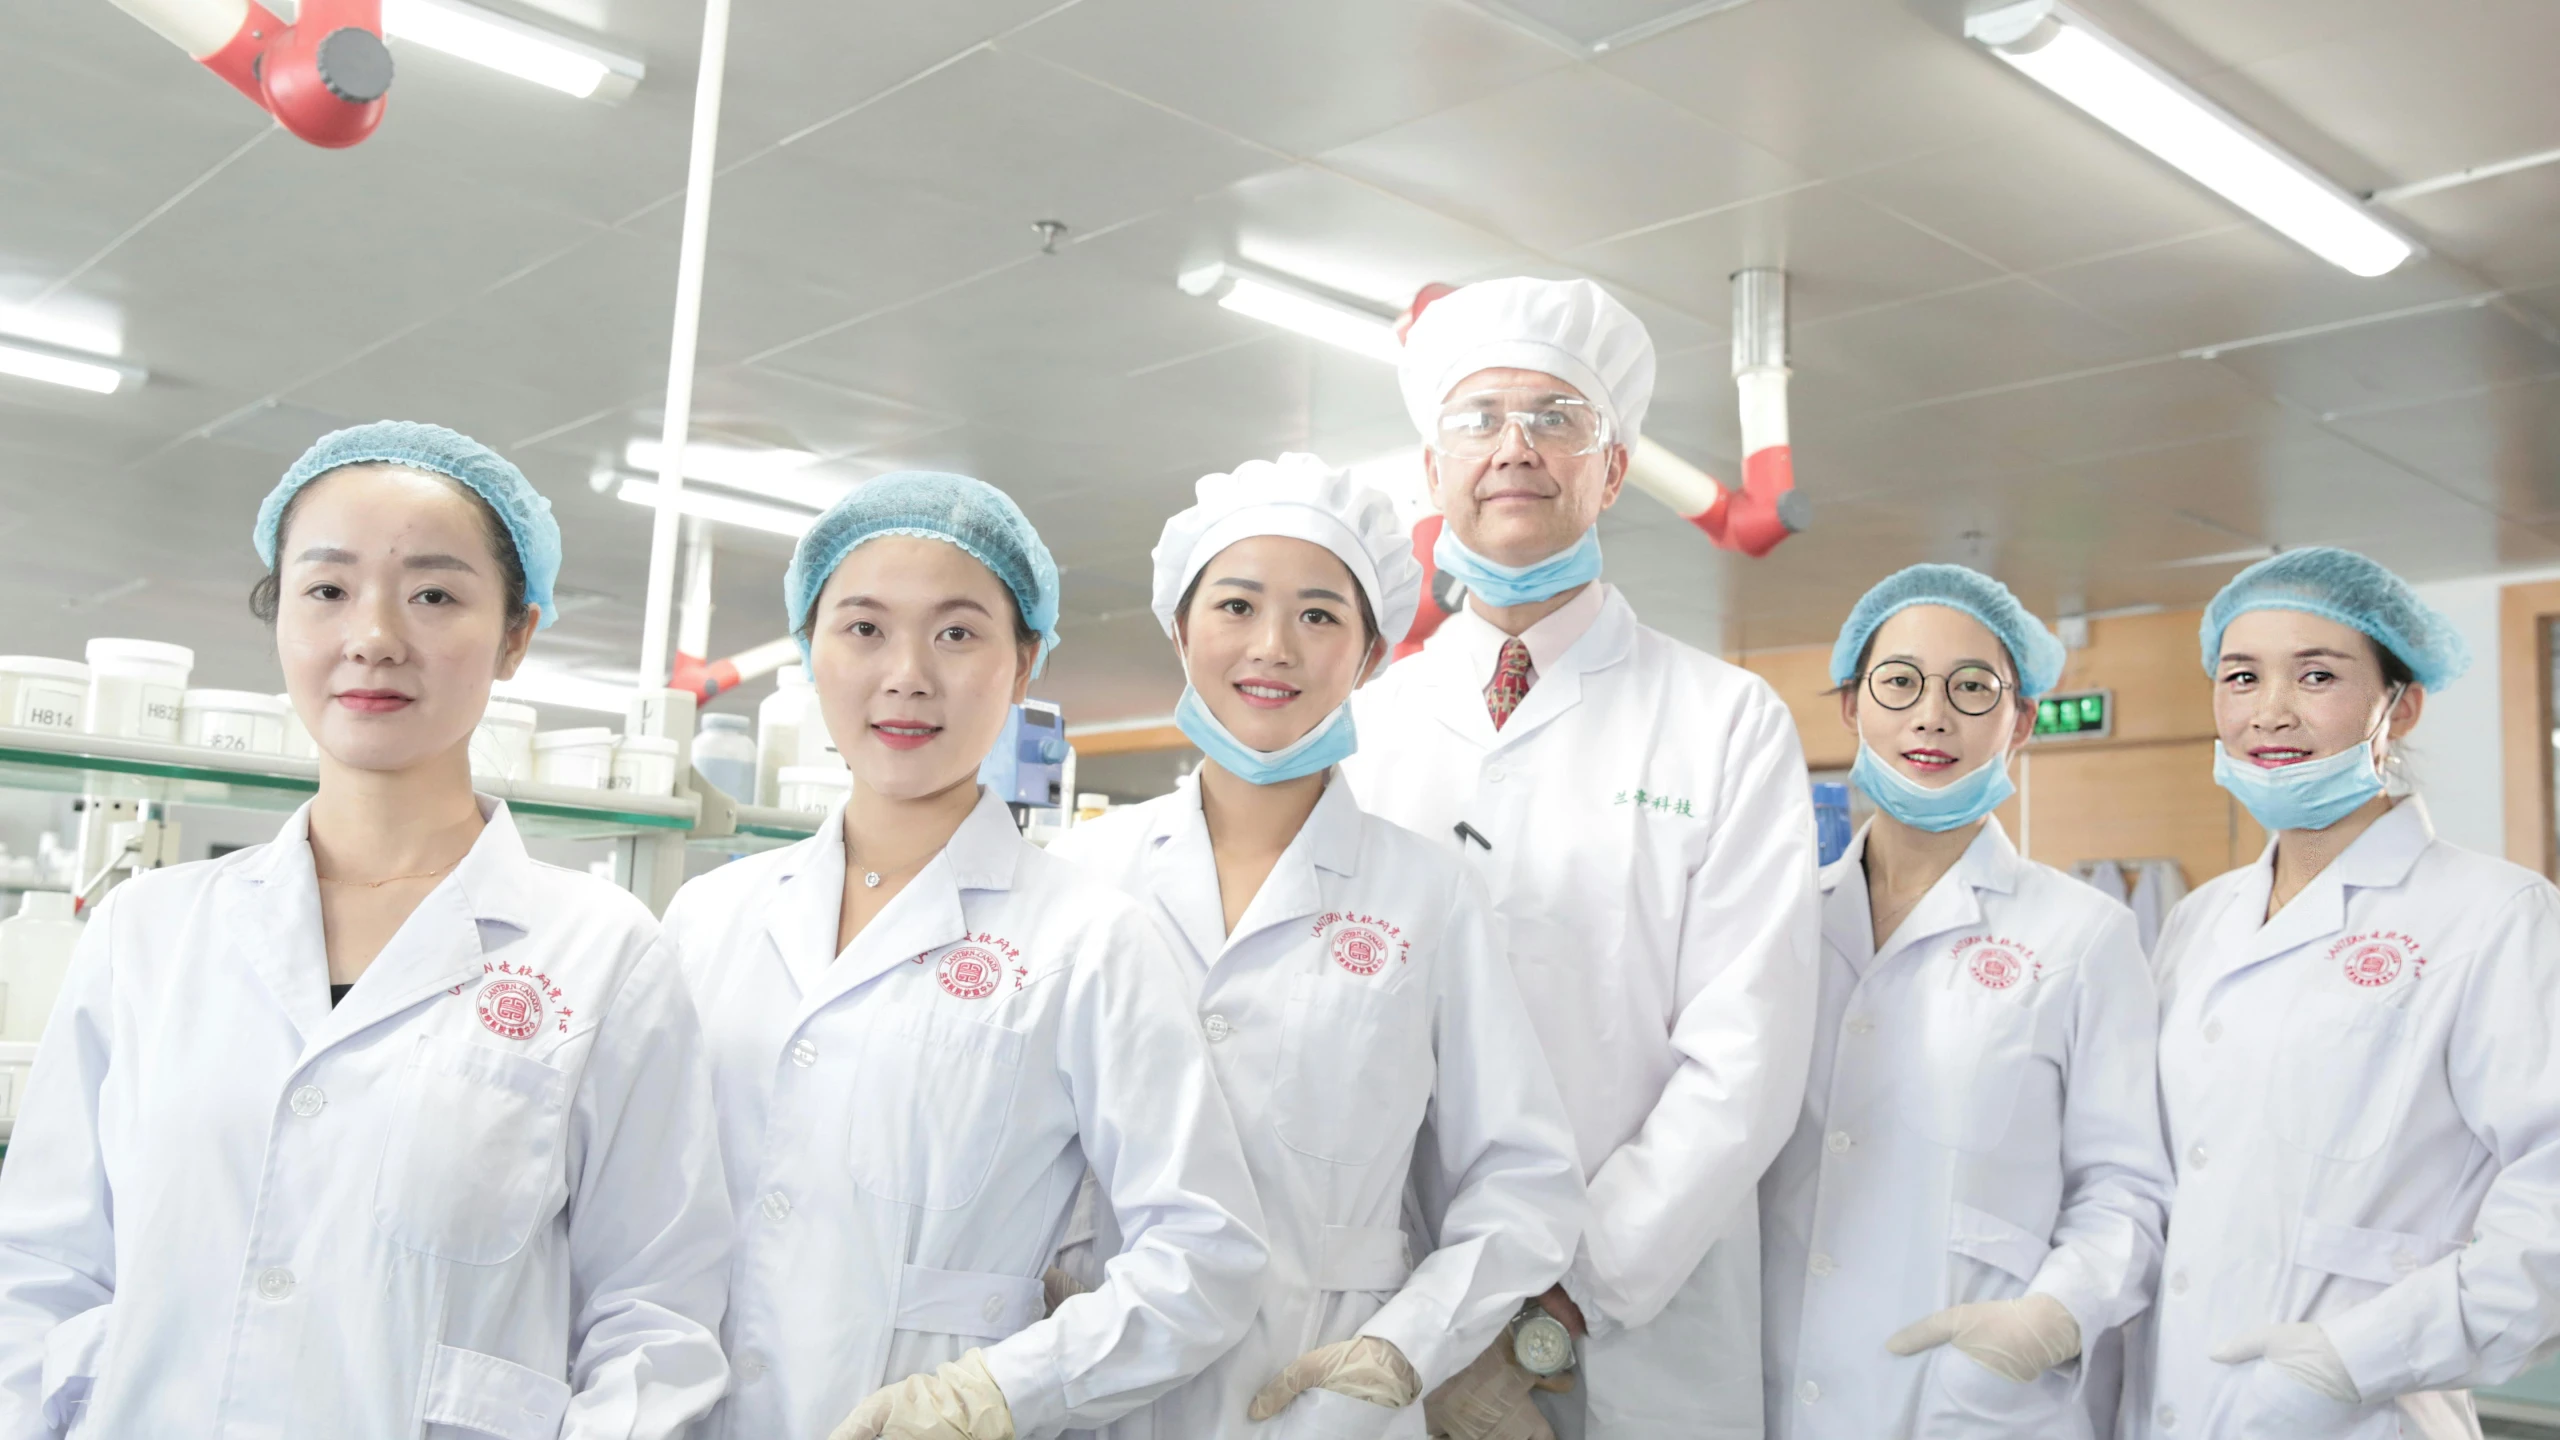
<point>1990,864</point>
<point>808,903</point>
<point>1455,681</point>
<point>2378,859</point>
<point>271,907</point>
<point>1182,870</point>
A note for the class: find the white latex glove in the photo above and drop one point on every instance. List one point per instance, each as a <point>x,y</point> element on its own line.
<point>2016,1340</point>
<point>1489,1400</point>
<point>960,1401</point>
<point>2302,1350</point>
<point>1364,1368</point>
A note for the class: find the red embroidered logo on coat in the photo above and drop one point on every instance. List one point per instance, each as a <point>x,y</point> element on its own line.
<point>1359,949</point>
<point>971,973</point>
<point>1997,964</point>
<point>511,1008</point>
<point>2374,960</point>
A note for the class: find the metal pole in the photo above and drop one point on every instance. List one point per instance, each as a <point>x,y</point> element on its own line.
<point>658,616</point>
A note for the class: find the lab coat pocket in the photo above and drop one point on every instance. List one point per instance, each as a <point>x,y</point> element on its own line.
<point>936,1098</point>
<point>473,1151</point>
<point>2001,1244</point>
<point>72,1351</point>
<point>469,1393</point>
<point>2275,1406</point>
<point>1965,1401</point>
<point>2383,1257</point>
<point>1325,1415</point>
<point>1975,1044</point>
<point>2342,1068</point>
<point>1354,1069</point>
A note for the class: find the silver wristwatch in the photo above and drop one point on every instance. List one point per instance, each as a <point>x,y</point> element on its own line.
<point>1540,1342</point>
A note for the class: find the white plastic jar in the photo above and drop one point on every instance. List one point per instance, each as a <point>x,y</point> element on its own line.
<point>298,744</point>
<point>580,758</point>
<point>724,753</point>
<point>502,746</point>
<point>778,721</point>
<point>138,689</point>
<point>816,788</point>
<point>644,765</point>
<point>37,693</point>
<point>243,722</point>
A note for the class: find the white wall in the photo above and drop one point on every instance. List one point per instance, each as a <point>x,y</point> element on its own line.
<point>2457,760</point>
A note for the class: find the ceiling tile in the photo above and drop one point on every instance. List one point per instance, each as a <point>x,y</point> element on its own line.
<point>2501,447</point>
<point>2003,333</point>
<point>2239,284</point>
<point>2396,362</point>
<point>1565,159</point>
<point>2138,408</point>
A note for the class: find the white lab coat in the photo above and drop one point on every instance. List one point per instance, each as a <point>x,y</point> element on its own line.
<point>1983,1123</point>
<point>1652,857</point>
<point>1361,1009</point>
<point>2363,1105</point>
<point>906,1124</point>
<point>480,1197</point>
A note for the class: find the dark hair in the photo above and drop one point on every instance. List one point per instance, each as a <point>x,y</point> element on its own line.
<point>2395,671</point>
<point>1368,621</point>
<point>268,593</point>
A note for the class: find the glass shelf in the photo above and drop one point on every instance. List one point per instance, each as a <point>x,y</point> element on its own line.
<point>69,763</point>
<point>762,827</point>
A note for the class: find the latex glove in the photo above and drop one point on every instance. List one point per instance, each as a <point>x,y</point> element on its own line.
<point>1057,1287</point>
<point>2302,1350</point>
<point>2016,1340</point>
<point>1364,1368</point>
<point>960,1401</point>
<point>1489,1400</point>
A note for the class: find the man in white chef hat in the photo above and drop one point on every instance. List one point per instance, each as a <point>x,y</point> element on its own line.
<point>1641,814</point>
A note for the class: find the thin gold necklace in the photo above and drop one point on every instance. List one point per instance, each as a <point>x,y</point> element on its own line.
<point>389,879</point>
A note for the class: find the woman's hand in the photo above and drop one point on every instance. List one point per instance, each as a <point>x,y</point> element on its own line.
<point>1364,1368</point>
<point>960,1401</point>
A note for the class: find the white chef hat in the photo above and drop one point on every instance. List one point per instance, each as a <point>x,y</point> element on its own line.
<point>1571,329</point>
<point>1301,497</point>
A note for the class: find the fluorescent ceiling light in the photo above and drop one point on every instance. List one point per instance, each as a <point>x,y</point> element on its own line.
<point>774,474</point>
<point>2063,52</point>
<point>1292,306</point>
<point>512,47</point>
<point>723,509</point>
<point>533,686</point>
<point>56,365</point>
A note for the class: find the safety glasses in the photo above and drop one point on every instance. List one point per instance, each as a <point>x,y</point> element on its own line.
<point>1558,427</point>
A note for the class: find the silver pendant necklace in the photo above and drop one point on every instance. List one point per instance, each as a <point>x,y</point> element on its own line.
<point>871,879</point>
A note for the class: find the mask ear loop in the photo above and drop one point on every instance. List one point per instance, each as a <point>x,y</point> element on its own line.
<point>2394,767</point>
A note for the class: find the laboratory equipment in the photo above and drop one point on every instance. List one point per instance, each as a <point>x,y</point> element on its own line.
<point>502,746</point>
<point>1028,765</point>
<point>792,704</point>
<point>36,945</point>
<point>724,753</point>
<point>43,694</point>
<point>1831,820</point>
<point>814,787</point>
<point>580,758</point>
<point>242,721</point>
<point>644,765</point>
<point>138,688</point>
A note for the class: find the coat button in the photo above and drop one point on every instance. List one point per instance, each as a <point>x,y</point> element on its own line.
<point>1808,1392</point>
<point>1837,1143</point>
<point>2403,1262</point>
<point>275,1284</point>
<point>2195,1155</point>
<point>1495,774</point>
<point>2168,1417</point>
<point>993,1309</point>
<point>1821,1265</point>
<point>2212,1031</point>
<point>309,1101</point>
<point>803,1054</point>
<point>1861,1025</point>
<point>2178,1283</point>
<point>777,1206</point>
<point>1217,1028</point>
<point>749,1365</point>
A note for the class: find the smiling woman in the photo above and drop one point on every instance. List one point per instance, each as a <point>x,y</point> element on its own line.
<point>381,1079</point>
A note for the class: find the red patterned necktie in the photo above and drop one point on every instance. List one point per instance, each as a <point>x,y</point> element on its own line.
<point>1510,682</point>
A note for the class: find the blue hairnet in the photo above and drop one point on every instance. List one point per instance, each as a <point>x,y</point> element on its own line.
<point>972,514</point>
<point>439,451</point>
<point>2032,648</point>
<point>2344,586</point>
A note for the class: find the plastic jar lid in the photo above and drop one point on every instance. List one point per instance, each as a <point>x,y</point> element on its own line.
<point>814,775</point>
<point>507,712</point>
<point>647,745</point>
<point>248,700</point>
<point>46,666</point>
<point>110,651</point>
<point>565,739</point>
<point>739,723</point>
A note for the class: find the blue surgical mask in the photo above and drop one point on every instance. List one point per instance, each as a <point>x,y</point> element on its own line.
<point>2312,795</point>
<point>1506,585</point>
<point>1958,802</point>
<point>1332,740</point>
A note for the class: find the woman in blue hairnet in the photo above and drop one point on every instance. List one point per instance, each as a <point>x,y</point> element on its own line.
<point>1974,1193</point>
<point>379,1128</point>
<point>2359,1053</point>
<point>1365,1025</point>
<point>925,1030</point>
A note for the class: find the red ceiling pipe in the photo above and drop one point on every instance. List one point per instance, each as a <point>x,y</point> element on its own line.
<point>324,77</point>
